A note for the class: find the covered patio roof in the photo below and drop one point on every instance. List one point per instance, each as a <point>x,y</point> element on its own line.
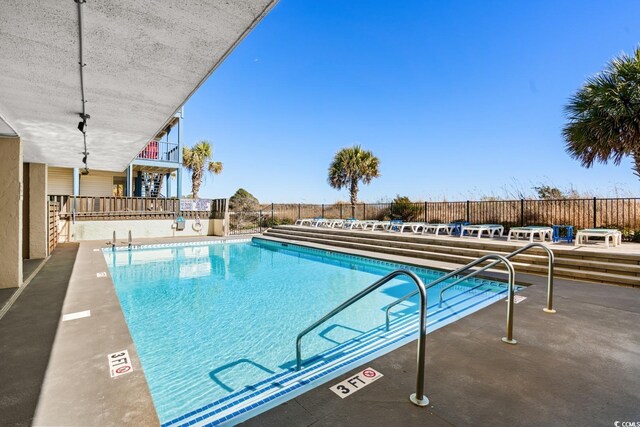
<point>143,60</point>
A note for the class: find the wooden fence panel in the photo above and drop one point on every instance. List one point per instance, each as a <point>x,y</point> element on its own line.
<point>53,226</point>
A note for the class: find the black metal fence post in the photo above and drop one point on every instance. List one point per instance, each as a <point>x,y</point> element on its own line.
<point>340,210</point>
<point>521,212</point>
<point>260,221</point>
<point>364,211</point>
<point>272,218</point>
<point>468,219</point>
<point>299,208</point>
<point>425,211</point>
<point>323,210</point>
<point>595,204</point>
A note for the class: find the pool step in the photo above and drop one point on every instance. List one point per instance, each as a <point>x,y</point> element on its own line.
<point>342,358</point>
<point>592,266</point>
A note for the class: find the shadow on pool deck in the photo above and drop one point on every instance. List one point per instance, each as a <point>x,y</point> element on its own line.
<point>580,366</point>
<point>28,267</point>
<point>27,334</point>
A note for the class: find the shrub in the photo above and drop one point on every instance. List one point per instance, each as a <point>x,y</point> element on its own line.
<point>268,222</point>
<point>404,209</point>
<point>631,235</point>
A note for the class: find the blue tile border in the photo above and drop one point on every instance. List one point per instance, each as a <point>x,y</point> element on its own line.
<point>175,244</point>
<point>330,254</point>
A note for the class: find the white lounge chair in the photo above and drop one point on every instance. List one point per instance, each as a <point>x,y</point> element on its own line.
<point>530,233</point>
<point>374,225</point>
<point>489,229</point>
<point>418,227</point>
<point>400,226</point>
<point>318,222</point>
<point>437,228</point>
<point>351,223</point>
<point>607,233</point>
<point>335,223</point>
<point>327,222</point>
<point>305,221</point>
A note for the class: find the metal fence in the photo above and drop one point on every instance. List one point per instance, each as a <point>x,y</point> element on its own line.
<point>160,151</point>
<point>620,213</point>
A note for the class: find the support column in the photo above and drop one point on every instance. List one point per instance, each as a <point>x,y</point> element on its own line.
<point>180,144</point>
<point>38,211</point>
<point>137,192</point>
<point>179,182</point>
<point>168,184</point>
<point>11,212</point>
<point>129,184</point>
<point>76,181</point>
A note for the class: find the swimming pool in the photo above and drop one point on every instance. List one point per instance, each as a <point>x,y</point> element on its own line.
<point>215,324</point>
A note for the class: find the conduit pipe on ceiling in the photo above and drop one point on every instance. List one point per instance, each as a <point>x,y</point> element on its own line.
<point>84,116</point>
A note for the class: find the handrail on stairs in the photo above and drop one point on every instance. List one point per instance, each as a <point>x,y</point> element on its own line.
<point>418,398</point>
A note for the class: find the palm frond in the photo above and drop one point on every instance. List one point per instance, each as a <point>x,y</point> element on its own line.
<point>604,115</point>
<point>350,166</point>
<point>194,160</point>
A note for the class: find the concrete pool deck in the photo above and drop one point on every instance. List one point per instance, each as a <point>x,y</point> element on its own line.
<point>580,366</point>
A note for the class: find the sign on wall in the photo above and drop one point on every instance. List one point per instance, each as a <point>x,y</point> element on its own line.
<point>195,205</point>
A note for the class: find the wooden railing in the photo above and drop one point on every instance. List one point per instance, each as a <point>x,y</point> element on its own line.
<point>53,226</point>
<point>125,208</point>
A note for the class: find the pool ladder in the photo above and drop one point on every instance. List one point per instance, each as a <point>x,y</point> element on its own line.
<point>129,241</point>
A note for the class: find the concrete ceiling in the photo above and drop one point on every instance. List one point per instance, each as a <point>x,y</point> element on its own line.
<point>143,60</point>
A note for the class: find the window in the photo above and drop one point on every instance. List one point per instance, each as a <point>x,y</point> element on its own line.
<point>119,183</point>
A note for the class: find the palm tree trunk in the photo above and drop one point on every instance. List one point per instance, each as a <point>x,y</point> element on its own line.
<point>636,163</point>
<point>353,195</point>
<point>196,180</point>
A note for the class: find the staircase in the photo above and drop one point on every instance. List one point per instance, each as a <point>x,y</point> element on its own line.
<point>152,184</point>
<point>609,267</point>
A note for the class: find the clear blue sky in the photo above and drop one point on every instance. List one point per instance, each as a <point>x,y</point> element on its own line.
<point>457,99</point>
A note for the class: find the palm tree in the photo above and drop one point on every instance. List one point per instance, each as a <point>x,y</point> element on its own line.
<point>604,115</point>
<point>196,160</point>
<point>350,166</point>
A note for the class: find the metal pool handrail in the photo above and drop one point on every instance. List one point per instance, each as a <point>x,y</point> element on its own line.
<point>498,258</point>
<point>418,398</point>
<point>549,307</point>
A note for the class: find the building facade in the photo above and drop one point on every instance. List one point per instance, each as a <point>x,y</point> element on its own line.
<point>155,172</point>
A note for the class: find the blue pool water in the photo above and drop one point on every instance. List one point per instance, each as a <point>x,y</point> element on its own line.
<point>215,322</point>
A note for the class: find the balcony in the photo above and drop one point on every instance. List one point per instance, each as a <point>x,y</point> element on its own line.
<point>160,151</point>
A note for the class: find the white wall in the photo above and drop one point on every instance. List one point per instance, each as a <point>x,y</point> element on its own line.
<point>38,211</point>
<point>11,187</point>
<point>98,183</point>
<point>103,230</point>
<point>60,181</point>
